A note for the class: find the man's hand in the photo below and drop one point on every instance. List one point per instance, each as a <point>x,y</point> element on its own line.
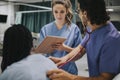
<point>59,74</point>
<point>58,61</point>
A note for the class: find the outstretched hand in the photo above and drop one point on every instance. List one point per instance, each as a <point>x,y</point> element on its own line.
<point>58,61</point>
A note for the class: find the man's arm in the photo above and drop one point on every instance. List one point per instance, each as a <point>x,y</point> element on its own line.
<point>59,74</point>
<point>76,53</point>
<point>102,76</point>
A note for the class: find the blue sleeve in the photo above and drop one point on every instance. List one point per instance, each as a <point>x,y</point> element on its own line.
<point>110,57</point>
<point>42,34</point>
<point>78,37</point>
<point>85,40</point>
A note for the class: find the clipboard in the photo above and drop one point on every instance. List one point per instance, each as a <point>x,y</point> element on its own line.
<point>46,44</point>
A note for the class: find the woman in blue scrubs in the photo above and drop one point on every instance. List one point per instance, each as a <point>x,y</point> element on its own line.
<point>101,43</point>
<point>63,27</point>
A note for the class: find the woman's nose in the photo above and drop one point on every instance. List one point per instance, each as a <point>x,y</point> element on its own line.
<point>58,15</point>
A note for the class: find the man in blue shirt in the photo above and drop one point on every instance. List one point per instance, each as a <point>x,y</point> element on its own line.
<point>101,44</point>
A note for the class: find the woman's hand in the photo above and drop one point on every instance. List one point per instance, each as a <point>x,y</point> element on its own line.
<point>58,46</point>
<point>62,47</point>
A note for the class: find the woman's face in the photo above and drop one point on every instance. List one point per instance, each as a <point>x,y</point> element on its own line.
<point>59,12</point>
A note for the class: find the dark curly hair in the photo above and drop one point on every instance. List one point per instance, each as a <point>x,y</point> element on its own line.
<point>16,45</point>
<point>96,10</point>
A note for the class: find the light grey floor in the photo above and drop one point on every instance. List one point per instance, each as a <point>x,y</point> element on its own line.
<point>82,66</point>
<point>0,63</point>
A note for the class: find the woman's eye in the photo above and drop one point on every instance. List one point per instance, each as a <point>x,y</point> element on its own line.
<point>56,11</point>
<point>59,12</point>
<point>62,12</point>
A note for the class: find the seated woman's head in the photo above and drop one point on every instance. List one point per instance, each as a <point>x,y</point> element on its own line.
<point>17,44</point>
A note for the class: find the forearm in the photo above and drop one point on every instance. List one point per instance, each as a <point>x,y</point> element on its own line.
<point>103,76</point>
<point>68,49</point>
<point>76,51</point>
<point>59,74</point>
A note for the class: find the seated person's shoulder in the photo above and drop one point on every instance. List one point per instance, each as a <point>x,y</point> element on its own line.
<point>117,77</point>
<point>16,73</point>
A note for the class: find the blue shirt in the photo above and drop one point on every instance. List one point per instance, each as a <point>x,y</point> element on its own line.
<point>73,39</point>
<point>103,50</point>
<point>34,67</point>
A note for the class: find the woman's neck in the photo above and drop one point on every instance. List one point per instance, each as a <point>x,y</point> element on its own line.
<point>59,24</point>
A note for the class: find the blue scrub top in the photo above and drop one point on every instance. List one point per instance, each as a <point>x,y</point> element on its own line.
<point>73,39</point>
<point>103,50</point>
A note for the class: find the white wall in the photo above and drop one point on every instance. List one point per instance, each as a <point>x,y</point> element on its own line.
<point>7,9</point>
<point>115,16</point>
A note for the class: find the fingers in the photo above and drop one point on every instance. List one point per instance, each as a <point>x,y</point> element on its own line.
<point>54,59</point>
<point>57,71</point>
<point>57,45</point>
<point>59,63</point>
<point>59,74</point>
<point>54,74</point>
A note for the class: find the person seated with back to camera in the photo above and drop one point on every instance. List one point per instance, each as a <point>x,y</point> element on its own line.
<point>18,63</point>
